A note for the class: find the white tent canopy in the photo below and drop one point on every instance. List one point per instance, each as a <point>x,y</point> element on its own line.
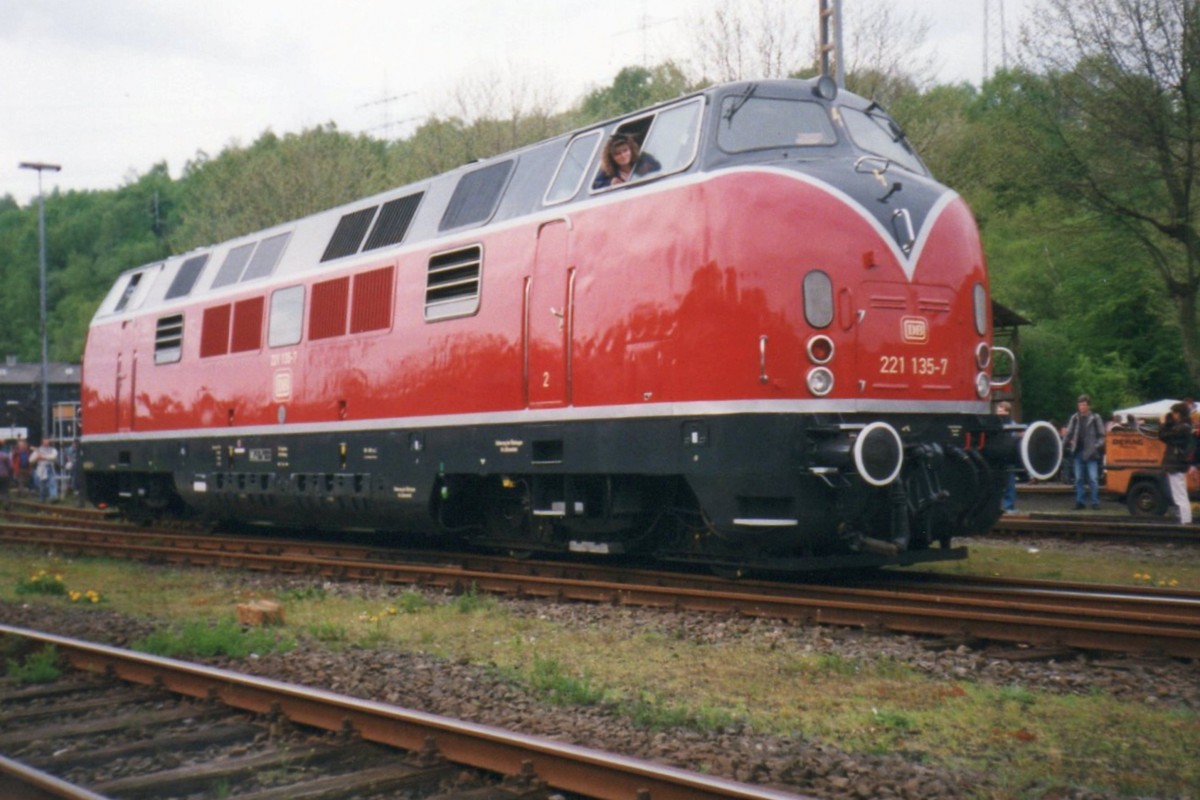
<point>1153,411</point>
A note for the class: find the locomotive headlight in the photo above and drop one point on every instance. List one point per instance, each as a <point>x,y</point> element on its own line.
<point>820,349</point>
<point>983,385</point>
<point>983,355</point>
<point>820,381</point>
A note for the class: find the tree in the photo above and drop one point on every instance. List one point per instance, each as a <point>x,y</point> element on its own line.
<point>276,179</point>
<point>634,88</point>
<point>1119,130</point>
<point>762,39</point>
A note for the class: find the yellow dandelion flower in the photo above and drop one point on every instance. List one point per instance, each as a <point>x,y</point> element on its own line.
<point>1174,582</point>
<point>74,596</point>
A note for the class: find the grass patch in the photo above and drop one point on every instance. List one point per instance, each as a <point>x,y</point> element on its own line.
<point>664,677</point>
<point>550,678</point>
<point>204,640</point>
<point>43,582</point>
<point>38,667</point>
<point>1062,561</point>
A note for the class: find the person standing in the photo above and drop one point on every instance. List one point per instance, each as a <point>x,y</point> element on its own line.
<point>1176,433</point>
<point>6,474</point>
<point>1008,502</point>
<point>1084,440</point>
<point>20,466</point>
<point>45,459</point>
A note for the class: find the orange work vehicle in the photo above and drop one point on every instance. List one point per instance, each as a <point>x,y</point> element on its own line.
<point>1133,459</point>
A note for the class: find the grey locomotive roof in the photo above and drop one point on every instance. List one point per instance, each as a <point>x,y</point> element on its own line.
<point>302,247</point>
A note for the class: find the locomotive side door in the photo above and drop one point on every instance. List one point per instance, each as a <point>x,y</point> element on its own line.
<point>126,378</point>
<point>548,319</point>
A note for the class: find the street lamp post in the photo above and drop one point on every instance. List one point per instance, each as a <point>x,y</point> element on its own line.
<point>42,167</point>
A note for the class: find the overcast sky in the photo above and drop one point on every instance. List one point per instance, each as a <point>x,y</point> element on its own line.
<point>108,88</point>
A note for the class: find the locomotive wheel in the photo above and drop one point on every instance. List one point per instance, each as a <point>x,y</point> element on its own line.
<point>1146,499</point>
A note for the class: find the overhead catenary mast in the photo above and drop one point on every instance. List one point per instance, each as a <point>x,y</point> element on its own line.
<point>831,40</point>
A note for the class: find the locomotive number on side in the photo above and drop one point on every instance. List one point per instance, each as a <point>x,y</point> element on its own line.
<point>913,365</point>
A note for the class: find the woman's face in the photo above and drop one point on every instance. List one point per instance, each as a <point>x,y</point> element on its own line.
<point>622,155</point>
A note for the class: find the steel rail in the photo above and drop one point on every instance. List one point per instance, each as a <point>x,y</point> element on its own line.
<point>568,767</point>
<point>1098,527</point>
<point>1098,619</point>
<point>21,782</point>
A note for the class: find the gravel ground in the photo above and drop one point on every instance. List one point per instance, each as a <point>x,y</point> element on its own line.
<point>792,763</point>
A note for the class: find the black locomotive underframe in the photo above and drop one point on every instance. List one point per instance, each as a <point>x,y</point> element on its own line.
<point>745,483</point>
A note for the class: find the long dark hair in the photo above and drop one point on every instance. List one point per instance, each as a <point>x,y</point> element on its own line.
<point>606,161</point>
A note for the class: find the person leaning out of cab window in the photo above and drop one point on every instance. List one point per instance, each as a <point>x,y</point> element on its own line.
<point>623,161</point>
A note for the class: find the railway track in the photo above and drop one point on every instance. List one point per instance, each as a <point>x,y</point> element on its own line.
<point>123,724</point>
<point>1038,613</point>
<point>1096,527</point>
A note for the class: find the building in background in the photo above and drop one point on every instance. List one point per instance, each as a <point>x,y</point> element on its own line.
<point>21,398</point>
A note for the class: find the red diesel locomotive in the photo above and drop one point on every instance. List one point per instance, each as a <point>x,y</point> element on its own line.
<point>771,345</point>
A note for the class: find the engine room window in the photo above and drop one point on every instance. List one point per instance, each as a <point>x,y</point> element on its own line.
<point>231,268</point>
<point>757,123</point>
<point>185,279</point>
<point>266,256</point>
<point>877,133</point>
<point>476,196</point>
<point>287,316</point>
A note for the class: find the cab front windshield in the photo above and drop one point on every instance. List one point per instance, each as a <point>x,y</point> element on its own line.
<point>749,122</point>
<point>876,132</point>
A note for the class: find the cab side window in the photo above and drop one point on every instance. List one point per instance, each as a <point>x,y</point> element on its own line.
<point>650,146</point>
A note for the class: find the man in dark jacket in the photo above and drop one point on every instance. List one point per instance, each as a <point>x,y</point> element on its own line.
<point>1084,439</point>
<point>1176,433</point>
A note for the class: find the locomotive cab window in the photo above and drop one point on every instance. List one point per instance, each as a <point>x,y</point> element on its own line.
<point>651,146</point>
<point>876,132</point>
<point>749,122</point>
<point>572,168</point>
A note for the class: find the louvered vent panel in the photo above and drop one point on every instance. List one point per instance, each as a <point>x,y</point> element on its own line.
<point>168,339</point>
<point>452,284</point>
<point>247,325</point>
<point>214,334</point>
<point>329,301</point>
<point>371,305</point>
<point>394,219</point>
<point>349,234</point>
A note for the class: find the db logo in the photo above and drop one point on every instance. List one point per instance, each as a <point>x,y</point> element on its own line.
<point>914,330</point>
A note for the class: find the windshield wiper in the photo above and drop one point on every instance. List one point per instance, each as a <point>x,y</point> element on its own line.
<point>741,101</point>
